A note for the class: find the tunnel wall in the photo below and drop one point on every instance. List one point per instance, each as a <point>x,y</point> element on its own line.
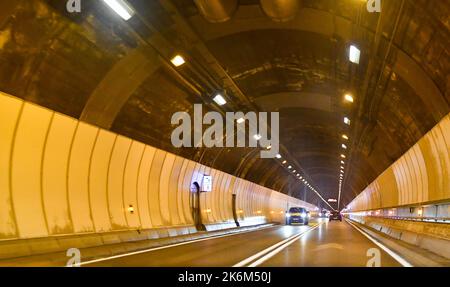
<point>420,176</point>
<point>60,176</point>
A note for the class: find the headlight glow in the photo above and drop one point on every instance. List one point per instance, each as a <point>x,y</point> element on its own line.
<point>288,215</point>
<point>303,215</point>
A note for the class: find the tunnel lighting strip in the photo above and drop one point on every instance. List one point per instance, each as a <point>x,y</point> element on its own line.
<point>303,180</point>
<point>121,8</point>
<point>273,250</point>
<point>394,255</point>
<point>169,246</point>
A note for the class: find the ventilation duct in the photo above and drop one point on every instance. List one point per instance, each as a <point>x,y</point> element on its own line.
<point>217,11</point>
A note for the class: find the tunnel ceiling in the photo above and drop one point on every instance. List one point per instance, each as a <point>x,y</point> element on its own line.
<point>115,74</point>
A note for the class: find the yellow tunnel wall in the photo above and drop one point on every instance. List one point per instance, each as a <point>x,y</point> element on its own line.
<point>421,175</point>
<point>62,176</point>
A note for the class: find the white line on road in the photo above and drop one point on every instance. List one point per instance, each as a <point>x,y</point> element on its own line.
<point>279,249</point>
<point>394,255</point>
<point>263,254</point>
<point>168,246</point>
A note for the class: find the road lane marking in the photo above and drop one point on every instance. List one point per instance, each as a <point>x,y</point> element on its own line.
<point>329,246</point>
<point>170,246</point>
<point>270,248</point>
<point>394,255</point>
<point>281,248</point>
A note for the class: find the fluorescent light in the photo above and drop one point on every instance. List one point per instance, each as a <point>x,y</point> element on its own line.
<point>342,162</point>
<point>219,100</point>
<point>349,98</point>
<point>279,156</point>
<point>347,121</point>
<point>240,120</point>
<point>121,7</point>
<point>178,61</point>
<point>345,137</point>
<point>290,167</point>
<point>294,171</point>
<point>344,146</point>
<point>269,147</point>
<point>354,54</point>
<point>257,137</point>
<point>343,155</point>
<point>284,162</point>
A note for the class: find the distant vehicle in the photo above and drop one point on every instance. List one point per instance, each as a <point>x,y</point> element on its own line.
<point>297,215</point>
<point>335,215</point>
<point>324,214</point>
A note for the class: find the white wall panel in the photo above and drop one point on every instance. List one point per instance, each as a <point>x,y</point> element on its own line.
<point>98,178</point>
<point>130,182</point>
<point>78,177</point>
<point>10,110</point>
<point>54,174</point>
<point>26,171</point>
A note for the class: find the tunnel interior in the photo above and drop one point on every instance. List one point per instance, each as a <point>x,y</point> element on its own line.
<point>116,74</point>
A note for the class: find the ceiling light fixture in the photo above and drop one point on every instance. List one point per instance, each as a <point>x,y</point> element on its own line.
<point>354,54</point>
<point>177,61</point>
<point>349,98</point>
<point>347,121</point>
<point>220,100</point>
<point>121,7</point>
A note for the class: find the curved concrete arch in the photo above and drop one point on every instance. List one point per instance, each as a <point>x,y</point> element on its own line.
<point>277,101</point>
<point>124,78</point>
<point>250,17</point>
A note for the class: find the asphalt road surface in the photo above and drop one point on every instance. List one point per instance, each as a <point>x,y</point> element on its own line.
<point>321,244</point>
